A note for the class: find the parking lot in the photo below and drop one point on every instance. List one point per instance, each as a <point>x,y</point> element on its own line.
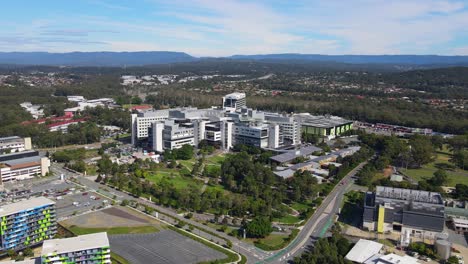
<point>163,247</point>
<point>70,199</point>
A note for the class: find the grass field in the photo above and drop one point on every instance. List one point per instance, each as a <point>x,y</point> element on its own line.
<point>216,160</point>
<point>273,240</point>
<point>288,219</point>
<point>426,171</point>
<point>300,206</point>
<point>114,230</point>
<point>174,177</point>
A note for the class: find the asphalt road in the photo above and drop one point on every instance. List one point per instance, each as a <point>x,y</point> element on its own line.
<point>319,223</point>
<point>252,253</point>
<point>314,228</point>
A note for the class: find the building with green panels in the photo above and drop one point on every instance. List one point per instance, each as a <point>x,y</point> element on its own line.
<point>323,126</point>
<point>85,249</point>
<point>27,223</point>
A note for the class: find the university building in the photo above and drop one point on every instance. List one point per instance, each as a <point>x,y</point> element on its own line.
<point>14,144</point>
<point>23,165</point>
<point>231,124</point>
<point>414,213</point>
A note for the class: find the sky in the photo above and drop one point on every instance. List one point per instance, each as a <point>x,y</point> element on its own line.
<point>228,27</point>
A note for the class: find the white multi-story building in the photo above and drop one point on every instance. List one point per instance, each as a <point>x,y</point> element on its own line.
<point>23,165</point>
<point>85,249</point>
<point>142,121</point>
<point>234,101</point>
<point>175,135</point>
<point>15,144</point>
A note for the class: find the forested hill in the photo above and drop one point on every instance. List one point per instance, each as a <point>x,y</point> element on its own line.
<point>441,76</point>
<point>441,81</point>
<point>94,58</point>
<point>364,59</point>
<point>165,57</point>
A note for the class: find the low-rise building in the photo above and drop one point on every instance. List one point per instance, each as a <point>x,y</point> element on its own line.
<point>323,126</point>
<point>15,144</point>
<point>23,165</point>
<point>414,213</point>
<point>85,249</point>
<point>27,223</point>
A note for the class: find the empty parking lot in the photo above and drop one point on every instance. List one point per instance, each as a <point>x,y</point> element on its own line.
<point>163,247</point>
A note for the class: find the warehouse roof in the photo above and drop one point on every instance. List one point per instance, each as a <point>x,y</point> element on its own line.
<point>72,244</point>
<point>292,154</point>
<point>363,250</point>
<point>322,121</point>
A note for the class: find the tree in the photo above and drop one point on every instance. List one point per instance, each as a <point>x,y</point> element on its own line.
<point>452,260</point>
<point>460,158</point>
<point>421,149</point>
<point>440,178</point>
<point>259,227</point>
<point>136,100</point>
<point>27,252</point>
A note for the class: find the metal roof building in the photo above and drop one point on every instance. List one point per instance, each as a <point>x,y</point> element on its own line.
<point>292,154</point>
<point>420,213</point>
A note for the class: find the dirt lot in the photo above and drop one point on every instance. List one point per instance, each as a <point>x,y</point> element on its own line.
<point>111,217</point>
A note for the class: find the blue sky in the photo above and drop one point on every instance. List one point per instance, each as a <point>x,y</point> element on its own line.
<point>227,27</point>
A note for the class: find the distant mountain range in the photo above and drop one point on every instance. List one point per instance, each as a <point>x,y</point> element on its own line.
<point>165,57</point>
<point>94,58</point>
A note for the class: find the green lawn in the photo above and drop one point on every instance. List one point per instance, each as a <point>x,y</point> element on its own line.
<point>188,163</point>
<point>426,171</point>
<point>288,219</point>
<point>216,160</point>
<point>300,206</point>
<point>174,177</point>
<point>273,240</point>
<point>114,230</point>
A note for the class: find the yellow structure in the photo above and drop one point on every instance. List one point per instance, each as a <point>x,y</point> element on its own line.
<point>380,219</point>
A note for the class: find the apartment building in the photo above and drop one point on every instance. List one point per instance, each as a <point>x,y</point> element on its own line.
<point>15,144</point>
<point>27,223</point>
<point>23,165</point>
<point>85,249</point>
<point>412,212</point>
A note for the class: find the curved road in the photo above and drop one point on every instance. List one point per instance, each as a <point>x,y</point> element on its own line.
<point>315,227</point>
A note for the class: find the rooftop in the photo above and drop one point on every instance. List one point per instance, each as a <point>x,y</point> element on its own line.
<point>363,250</point>
<point>9,138</point>
<point>322,121</point>
<point>409,195</point>
<point>72,244</point>
<point>18,155</point>
<point>235,95</point>
<point>393,259</point>
<point>16,207</point>
<point>292,154</point>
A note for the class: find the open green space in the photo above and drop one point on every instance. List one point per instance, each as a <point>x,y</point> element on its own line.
<point>188,163</point>
<point>273,240</point>
<point>113,230</point>
<point>455,176</point>
<point>300,206</point>
<point>216,160</point>
<point>288,219</point>
<point>173,176</point>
